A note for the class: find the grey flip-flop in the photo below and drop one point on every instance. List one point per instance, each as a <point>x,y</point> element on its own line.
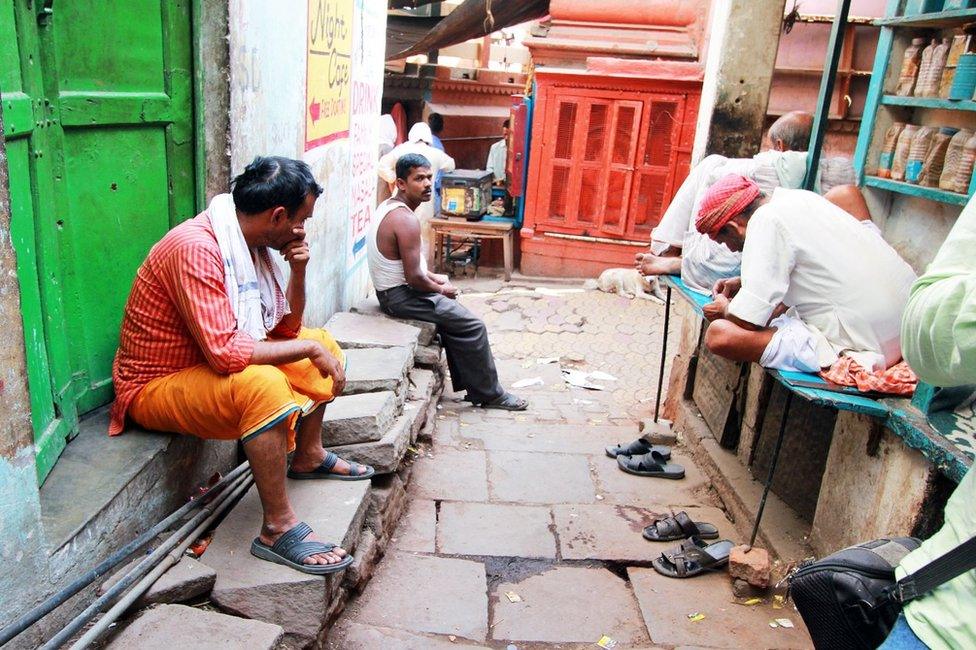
<point>292,551</point>
<point>638,447</point>
<point>650,464</point>
<point>324,471</point>
<point>506,402</point>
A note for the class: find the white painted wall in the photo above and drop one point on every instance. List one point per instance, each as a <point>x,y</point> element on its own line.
<point>268,106</point>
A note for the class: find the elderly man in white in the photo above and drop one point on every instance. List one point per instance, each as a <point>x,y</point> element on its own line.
<point>817,283</point>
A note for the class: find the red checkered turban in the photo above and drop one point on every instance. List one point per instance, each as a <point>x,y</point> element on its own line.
<point>728,197</point>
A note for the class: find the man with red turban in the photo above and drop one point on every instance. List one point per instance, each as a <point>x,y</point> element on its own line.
<point>816,284</point>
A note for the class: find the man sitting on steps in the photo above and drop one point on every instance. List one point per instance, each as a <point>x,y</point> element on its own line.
<point>212,345</point>
<point>406,289</point>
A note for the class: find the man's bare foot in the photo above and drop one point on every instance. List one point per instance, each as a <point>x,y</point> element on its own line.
<point>649,264</point>
<point>270,534</point>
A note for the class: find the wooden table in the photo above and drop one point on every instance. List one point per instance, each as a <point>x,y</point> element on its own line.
<point>477,229</point>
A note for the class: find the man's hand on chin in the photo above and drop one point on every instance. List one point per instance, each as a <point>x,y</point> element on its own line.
<point>296,252</point>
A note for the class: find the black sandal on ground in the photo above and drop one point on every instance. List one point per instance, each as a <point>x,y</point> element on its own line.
<point>693,558</point>
<point>292,551</point>
<point>357,472</point>
<point>638,447</point>
<point>506,402</point>
<point>679,526</point>
<point>650,464</point>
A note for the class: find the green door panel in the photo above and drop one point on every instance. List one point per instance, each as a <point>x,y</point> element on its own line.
<point>97,102</point>
<point>126,166</point>
<point>27,123</point>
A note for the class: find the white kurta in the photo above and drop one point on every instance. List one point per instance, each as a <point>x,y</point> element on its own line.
<point>847,284</point>
<point>496,159</point>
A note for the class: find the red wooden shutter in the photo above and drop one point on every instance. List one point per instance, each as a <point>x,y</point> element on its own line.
<point>562,159</point>
<point>654,166</point>
<point>620,167</point>
<point>592,168</point>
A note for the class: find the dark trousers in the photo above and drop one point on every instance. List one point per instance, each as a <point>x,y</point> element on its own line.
<point>463,335</point>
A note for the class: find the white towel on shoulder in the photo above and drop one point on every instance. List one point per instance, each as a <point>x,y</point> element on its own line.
<point>253,281</point>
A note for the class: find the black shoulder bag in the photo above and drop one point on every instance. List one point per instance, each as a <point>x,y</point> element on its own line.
<point>850,600</point>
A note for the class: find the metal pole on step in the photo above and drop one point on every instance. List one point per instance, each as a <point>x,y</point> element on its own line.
<point>772,466</point>
<point>664,353</point>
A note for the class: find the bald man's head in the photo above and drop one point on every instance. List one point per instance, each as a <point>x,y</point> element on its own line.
<point>791,132</point>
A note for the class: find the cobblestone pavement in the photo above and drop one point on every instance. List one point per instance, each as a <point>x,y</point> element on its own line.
<point>521,531</point>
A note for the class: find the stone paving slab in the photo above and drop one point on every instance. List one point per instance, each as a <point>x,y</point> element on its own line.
<point>424,594</point>
<point>618,486</point>
<point>359,331</point>
<point>613,532</point>
<point>532,436</point>
<point>518,477</point>
<point>355,636</point>
<point>385,454</point>
<point>451,475</point>
<point>188,628</point>
<point>375,369</point>
<point>568,605</point>
<point>254,588</point>
<point>417,527</point>
<point>353,419</point>
<point>422,383</point>
<point>666,603</point>
<point>495,529</point>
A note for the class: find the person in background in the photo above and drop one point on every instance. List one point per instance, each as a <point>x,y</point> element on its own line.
<point>497,156</point>
<point>388,135</point>
<point>938,339</point>
<point>419,140</point>
<point>436,123</point>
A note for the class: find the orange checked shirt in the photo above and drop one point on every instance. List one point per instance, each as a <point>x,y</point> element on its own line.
<point>177,316</point>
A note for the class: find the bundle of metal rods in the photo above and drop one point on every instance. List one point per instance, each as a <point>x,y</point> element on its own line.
<point>211,505</point>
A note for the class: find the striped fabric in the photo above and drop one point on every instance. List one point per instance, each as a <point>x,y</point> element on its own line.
<point>178,315</point>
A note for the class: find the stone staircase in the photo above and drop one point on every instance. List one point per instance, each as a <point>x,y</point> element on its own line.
<point>394,379</point>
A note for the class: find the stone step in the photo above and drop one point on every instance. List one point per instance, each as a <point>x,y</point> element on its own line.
<point>188,628</point>
<point>359,331</point>
<point>186,579</point>
<point>352,419</point>
<point>253,588</point>
<point>422,384</point>
<point>386,454</point>
<point>371,307</point>
<point>428,356</point>
<point>369,370</point>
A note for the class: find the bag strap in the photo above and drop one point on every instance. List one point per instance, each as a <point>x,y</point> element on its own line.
<point>937,572</point>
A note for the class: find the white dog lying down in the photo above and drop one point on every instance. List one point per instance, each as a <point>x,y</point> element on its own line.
<point>628,283</point>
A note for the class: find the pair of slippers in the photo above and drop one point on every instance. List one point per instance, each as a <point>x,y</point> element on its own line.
<point>641,458</point>
<point>694,555</point>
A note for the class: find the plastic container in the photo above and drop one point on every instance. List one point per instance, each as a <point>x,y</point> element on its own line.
<point>902,148</point>
<point>888,149</point>
<point>909,68</point>
<point>930,72</point>
<point>466,193</point>
<point>953,157</point>
<point>921,142</point>
<point>964,168</point>
<point>935,158</point>
<point>964,82</point>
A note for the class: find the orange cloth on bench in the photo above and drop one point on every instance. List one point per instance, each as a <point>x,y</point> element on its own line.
<point>204,403</point>
<point>896,380</point>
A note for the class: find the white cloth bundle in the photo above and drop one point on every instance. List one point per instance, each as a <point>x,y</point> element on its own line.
<point>254,283</point>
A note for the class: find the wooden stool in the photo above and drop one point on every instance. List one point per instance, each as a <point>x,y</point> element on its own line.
<point>479,230</point>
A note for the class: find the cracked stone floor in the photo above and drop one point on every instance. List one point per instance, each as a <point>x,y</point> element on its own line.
<point>521,532</point>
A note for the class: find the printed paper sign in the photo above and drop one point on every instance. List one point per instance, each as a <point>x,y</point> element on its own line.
<point>330,27</point>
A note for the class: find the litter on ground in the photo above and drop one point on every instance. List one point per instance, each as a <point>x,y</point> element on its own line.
<point>530,381</point>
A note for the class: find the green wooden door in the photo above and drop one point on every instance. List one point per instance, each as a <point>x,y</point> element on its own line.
<point>114,81</point>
